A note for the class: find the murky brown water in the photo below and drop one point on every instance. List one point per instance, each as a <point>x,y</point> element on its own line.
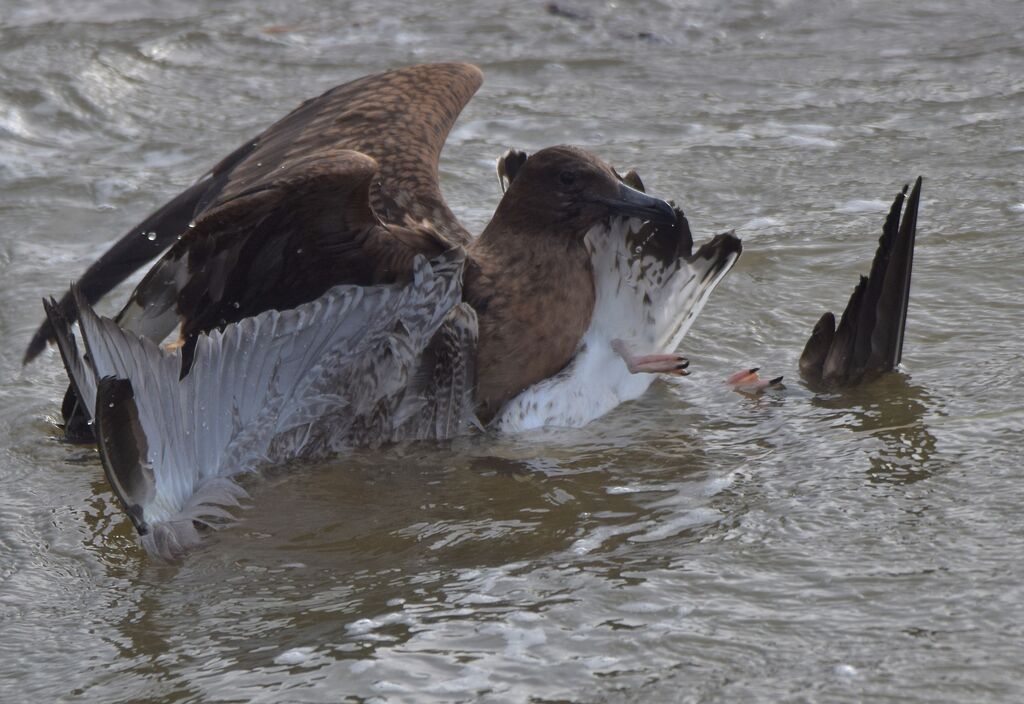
<point>694,546</point>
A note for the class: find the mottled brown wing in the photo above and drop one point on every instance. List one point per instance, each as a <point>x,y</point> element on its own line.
<point>400,118</point>
<point>288,240</point>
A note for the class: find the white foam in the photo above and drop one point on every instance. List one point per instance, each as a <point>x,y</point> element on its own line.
<point>814,128</point>
<point>762,223</point>
<point>641,607</point>
<point>667,529</point>
<point>599,535</point>
<point>713,486</point>
<point>640,488</point>
<point>360,666</point>
<point>479,599</point>
<point>295,656</point>
<point>844,670</point>
<point>862,206</point>
<point>362,626</point>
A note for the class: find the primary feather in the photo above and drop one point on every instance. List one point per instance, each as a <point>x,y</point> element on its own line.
<point>345,369</point>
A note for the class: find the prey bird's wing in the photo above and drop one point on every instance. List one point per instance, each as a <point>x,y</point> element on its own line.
<point>869,337</point>
<point>400,118</point>
<point>339,371</point>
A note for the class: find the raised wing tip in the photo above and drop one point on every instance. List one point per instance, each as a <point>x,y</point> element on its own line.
<point>721,245</point>
<point>473,74</point>
<point>869,338</point>
<point>467,77</point>
<point>46,333</point>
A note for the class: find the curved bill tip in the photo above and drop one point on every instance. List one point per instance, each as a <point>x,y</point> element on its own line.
<point>633,203</point>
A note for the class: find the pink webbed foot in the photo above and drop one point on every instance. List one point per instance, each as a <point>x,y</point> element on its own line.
<point>673,364</point>
<point>747,381</point>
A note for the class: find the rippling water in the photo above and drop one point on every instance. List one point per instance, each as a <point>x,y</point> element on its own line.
<point>696,545</point>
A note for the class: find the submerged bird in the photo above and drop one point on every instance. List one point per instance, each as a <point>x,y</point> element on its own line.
<point>327,297</point>
<point>869,338</point>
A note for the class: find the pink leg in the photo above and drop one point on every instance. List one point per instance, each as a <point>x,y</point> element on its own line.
<point>674,364</point>
<point>747,381</point>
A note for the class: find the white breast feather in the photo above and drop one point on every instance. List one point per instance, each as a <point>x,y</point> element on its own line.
<point>639,299</point>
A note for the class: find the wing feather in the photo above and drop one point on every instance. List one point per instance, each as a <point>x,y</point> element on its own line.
<point>399,118</point>
<point>274,387</point>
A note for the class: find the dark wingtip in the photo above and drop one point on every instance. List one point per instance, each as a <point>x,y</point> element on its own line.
<point>894,297</point>
<point>133,250</point>
<point>812,359</point>
<point>38,343</point>
<point>719,247</point>
<point>869,337</point>
<point>47,331</point>
<point>123,448</point>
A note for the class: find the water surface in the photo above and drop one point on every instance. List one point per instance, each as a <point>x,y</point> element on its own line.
<point>696,545</point>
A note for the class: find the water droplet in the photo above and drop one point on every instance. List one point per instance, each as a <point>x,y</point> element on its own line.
<point>192,224</point>
<point>151,236</point>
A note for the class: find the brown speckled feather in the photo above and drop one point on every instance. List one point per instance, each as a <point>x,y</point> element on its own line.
<point>400,118</point>
<point>300,231</point>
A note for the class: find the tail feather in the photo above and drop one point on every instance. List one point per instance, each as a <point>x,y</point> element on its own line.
<point>172,538</point>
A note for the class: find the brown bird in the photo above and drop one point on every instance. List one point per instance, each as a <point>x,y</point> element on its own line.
<point>326,297</point>
<point>344,190</point>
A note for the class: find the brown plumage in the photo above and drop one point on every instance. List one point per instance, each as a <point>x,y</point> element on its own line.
<point>400,118</point>
<point>530,278</point>
<point>344,191</point>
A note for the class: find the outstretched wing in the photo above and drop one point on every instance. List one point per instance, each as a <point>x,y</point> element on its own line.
<point>869,337</point>
<point>400,118</point>
<point>345,369</point>
<point>282,243</point>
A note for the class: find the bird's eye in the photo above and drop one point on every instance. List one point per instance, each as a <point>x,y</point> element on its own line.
<point>567,178</point>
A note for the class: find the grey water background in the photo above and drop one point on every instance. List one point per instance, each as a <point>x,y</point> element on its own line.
<point>696,545</point>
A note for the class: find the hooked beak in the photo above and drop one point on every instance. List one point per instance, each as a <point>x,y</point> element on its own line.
<point>632,203</point>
